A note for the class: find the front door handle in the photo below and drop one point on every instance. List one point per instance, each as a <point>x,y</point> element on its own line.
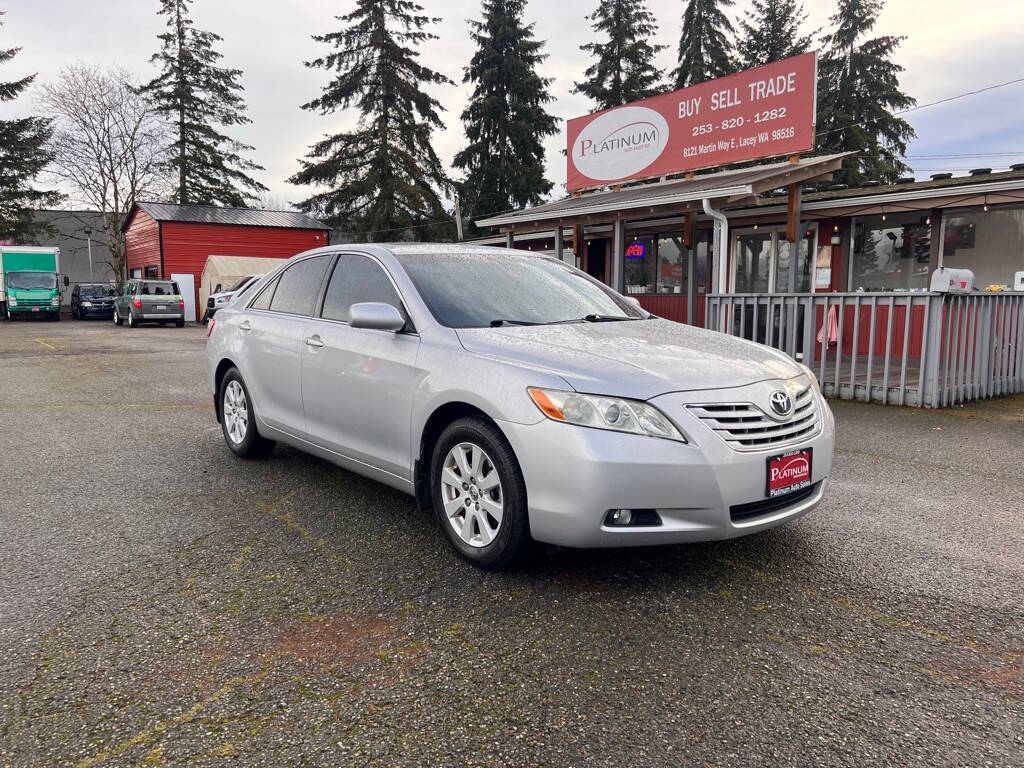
<point>314,341</point>
<point>244,326</point>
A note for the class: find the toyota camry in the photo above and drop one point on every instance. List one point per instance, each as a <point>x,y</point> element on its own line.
<point>518,399</point>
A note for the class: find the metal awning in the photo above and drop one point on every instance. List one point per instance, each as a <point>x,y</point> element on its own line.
<point>739,186</point>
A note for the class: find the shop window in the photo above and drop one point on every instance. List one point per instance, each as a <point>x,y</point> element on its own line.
<point>640,265</point>
<point>152,272</point>
<point>891,253</point>
<point>989,243</point>
<point>671,265</point>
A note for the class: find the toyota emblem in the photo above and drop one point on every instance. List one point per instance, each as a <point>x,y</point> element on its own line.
<point>781,403</point>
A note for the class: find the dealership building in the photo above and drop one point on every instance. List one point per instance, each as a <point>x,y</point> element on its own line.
<point>909,293</point>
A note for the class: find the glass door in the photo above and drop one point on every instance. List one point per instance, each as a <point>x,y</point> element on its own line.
<point>804,262</point>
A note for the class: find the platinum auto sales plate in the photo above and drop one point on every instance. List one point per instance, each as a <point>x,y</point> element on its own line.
<point>788,472</point>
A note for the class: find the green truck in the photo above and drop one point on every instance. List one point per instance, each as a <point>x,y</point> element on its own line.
<point>30,282</point>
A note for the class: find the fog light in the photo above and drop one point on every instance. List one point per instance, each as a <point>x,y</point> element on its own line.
<point>620,517</point>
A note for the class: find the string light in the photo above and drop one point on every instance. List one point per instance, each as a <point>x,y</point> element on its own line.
<point>986,202</point>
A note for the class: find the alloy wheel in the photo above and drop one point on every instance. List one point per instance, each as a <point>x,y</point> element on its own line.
<point>471,494</point>
<point>235,412</point>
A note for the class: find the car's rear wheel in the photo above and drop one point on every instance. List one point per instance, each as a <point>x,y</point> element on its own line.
<point>238,421</point>
<point>132,323</point>
<point>479,495</point>
<point>179,324</point>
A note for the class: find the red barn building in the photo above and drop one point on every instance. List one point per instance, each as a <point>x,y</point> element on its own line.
<point>164,240</point>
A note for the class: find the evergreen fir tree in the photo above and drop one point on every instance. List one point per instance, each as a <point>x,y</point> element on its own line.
<point>705,50</point>
<point>23,155</point>
<point>505,120</point>
<point>771,32</point>
<point>196,95</point>
<point>383,178</point>
<point>624,70</point>
<point>858,93</point>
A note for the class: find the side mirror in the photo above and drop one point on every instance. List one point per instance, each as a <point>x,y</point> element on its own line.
<point>376,316</point>
<point>632,300</point>
<point>67,282</point>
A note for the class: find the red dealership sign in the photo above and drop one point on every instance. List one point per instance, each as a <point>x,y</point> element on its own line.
<point>757,113</point>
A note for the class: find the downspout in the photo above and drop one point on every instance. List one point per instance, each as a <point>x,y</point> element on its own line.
<point>721,244</point>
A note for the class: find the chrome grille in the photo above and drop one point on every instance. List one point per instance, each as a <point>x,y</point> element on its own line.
<point>746,427</point>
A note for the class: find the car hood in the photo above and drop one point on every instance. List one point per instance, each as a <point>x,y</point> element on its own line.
<point>639,358</point>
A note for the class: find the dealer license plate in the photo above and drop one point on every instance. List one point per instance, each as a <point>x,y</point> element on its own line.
<point>789,472</point>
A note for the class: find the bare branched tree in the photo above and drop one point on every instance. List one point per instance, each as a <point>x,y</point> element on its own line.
<point>109,145</point>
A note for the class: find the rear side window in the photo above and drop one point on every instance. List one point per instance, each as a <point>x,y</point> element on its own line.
<point>299,285</point>
<point>263,300</point>
<point>356,279</point>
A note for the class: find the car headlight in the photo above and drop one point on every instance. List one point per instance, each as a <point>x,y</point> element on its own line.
<point>86,304</point>
<point>55,302</point>
<point>600,412</point>
<point>811,376</point>
<point>12,301</point>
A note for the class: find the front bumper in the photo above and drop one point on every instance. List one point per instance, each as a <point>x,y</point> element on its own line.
<point>575,475</point>
<point>33,310</point>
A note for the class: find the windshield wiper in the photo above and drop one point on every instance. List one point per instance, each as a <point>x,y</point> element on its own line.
<point>594,318</point>
<point>501,321</point>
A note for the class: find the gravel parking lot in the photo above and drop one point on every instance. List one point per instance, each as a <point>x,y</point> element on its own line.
<point>163,603</point>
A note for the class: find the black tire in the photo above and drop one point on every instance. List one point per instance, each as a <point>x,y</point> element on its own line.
<point>253,445</point>
<point>75,314</point>
<point>512,540</point>
<point>117,317</point>
<point>179,323</point>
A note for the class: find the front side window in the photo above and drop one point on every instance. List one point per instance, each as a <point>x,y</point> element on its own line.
<point>299,286</point>
<point>891,252</point>
<point>357,279</point>
<point>475,290</point>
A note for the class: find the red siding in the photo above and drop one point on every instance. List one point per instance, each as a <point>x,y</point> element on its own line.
<point>187,246</point>
<point>142,242</point>
<point>673,307</point>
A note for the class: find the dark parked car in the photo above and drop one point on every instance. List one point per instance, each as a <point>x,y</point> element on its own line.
<point>149,301</point>
<point>92,300</point>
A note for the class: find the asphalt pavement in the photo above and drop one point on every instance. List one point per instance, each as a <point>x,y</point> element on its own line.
<point>164,603</point>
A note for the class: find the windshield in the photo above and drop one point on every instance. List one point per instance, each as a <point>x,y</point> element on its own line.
<point>239,284</point>
<point>476,290</point>
<point>27,280</point>
<point>159,289</point>
<point>96,291</point>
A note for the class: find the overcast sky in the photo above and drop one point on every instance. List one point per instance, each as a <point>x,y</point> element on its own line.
<point>951,47</point>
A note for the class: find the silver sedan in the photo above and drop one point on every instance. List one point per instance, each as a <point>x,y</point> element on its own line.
<point>519,399</point>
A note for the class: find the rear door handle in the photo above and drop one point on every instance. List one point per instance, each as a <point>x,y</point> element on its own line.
<point>314,341</point>
<point>244,326</point>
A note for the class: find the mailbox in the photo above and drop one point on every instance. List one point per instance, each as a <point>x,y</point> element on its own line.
<point>947,280</point>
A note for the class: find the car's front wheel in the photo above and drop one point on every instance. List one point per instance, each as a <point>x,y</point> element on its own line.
<point>479,495</point>
<point>117,317</point>
<point>238,421</point>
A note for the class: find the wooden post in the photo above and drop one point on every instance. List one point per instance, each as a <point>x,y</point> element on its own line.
<point>688,228</point>
<point>578,247</point>
<point>618,282</point>
<point>559,244</point>
<point>793,213</point>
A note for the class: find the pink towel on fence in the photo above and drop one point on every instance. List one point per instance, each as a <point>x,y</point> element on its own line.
<point>833,326</point>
